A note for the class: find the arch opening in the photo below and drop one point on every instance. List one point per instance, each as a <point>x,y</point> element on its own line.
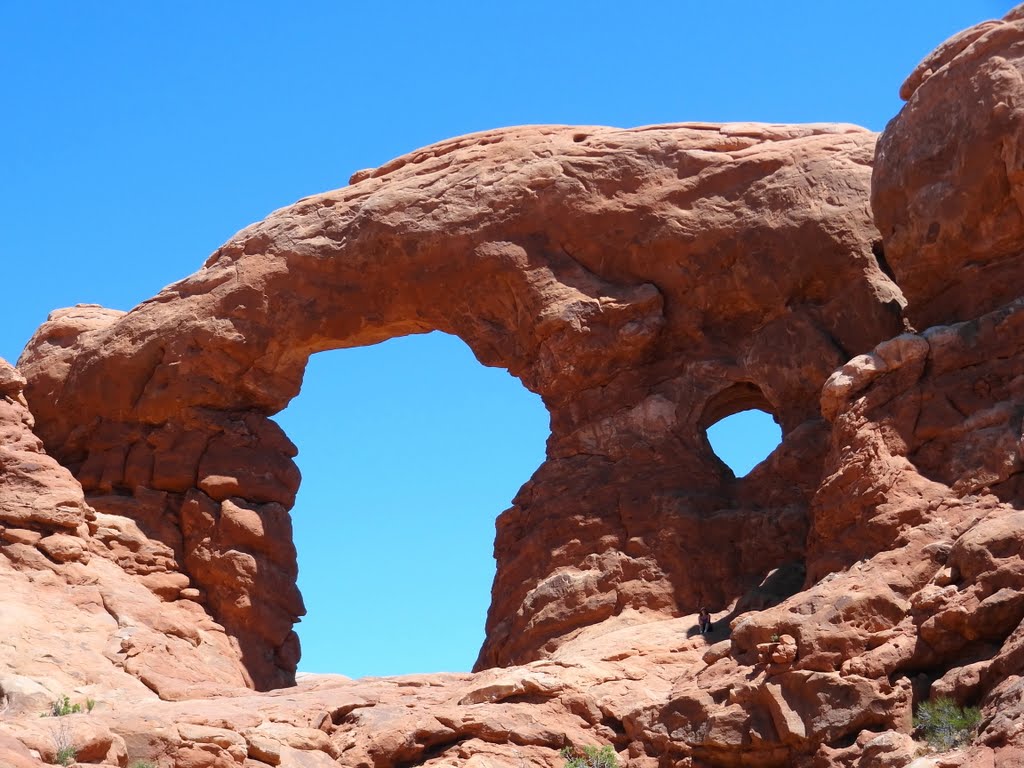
<point>744,439</point>
<point>741,427</point>
<point>409,450</point>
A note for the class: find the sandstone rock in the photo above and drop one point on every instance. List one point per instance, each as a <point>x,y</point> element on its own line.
<point>14,754</point>
<point>264,749</point>
<point>946,185</point>
<point>63,607</point>
<point>645,282</point>
<point>63,548</point>
<point>784,651</point>
<point>91,738</point>
<point>632,373</point>
<point>37,492</point>
<point>12,383</point>
<point>21,536</point>
<point>166,585</point>
<point>887,750</point>
<point>220,739</point>
<point>23,695</point>
<point>719,650</point>
<point>928,444</point>
<point>297,758</point>
<point>516,683</point>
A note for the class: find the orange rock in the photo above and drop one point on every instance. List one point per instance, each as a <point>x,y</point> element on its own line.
<point>946,184</point>
<point>646,283</point>
<point>732,286</point>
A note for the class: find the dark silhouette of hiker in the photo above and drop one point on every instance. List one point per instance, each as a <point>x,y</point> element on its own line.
<point>704,621</point>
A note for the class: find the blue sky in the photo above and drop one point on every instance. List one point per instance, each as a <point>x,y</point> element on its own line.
<point>137,137</point>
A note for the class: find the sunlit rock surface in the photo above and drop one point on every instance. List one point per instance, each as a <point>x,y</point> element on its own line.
<point>646,283</point>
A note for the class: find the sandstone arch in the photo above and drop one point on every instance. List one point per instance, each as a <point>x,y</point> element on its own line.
<point>626,276</point>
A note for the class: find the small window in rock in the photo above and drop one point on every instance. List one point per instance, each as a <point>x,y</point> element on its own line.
<point>745,439</point>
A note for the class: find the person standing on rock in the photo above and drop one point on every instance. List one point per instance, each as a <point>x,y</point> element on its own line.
<point>704,620</point>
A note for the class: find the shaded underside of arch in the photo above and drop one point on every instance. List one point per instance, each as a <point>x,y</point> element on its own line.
<point>741,396</point>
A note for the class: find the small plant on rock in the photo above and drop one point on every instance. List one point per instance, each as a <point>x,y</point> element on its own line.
<point>66,756</point>
<point>944,724</point>
<point>590,757</point>
<point>63,706</point>
<point>64,751</point>
<point>143,764</point>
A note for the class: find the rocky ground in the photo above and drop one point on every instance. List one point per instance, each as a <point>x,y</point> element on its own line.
<point>866,290</point>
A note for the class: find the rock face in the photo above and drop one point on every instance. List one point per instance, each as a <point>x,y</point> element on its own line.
<point>645,283</point>
<point>70,570</point>
<point>947,191</point>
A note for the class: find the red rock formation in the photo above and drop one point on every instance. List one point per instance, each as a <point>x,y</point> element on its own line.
<point>947,190</point>
<point>37,494</point>
<point>72,569</point>
<point>646,283</point>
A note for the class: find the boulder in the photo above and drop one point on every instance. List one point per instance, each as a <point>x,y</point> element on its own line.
<point>947,188</point>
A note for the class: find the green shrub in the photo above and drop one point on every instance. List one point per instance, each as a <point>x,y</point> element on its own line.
<point>944,724</point>
<point>143,764</point>
<point>66,756</point>
<point>590,757</point>
<point>63,706</point>
<point>64,750</point>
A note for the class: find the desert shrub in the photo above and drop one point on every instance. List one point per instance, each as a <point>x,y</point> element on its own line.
<point>944,724</point>
<point>63,706</point>
<point>590,757</point>
<point>64,751</point>
<point>143,764</point>
<point>66,755</point>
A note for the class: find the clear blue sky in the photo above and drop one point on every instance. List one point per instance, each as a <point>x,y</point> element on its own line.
<point>137,137</point>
